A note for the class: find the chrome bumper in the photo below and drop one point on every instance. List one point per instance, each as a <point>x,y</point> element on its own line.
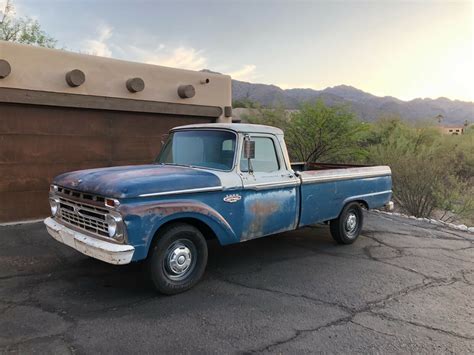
<point>111,253</point>
<point>389,206</point>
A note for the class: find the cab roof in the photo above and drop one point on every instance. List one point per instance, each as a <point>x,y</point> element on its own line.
<point>236,127</point>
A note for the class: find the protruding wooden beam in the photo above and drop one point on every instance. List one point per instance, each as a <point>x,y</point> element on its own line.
<point>75,78</point>
<point>135,85</point>
<point>228,111</point>
<point>186,91</point>
<point>5,69</point>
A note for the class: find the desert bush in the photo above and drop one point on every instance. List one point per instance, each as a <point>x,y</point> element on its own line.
<point>430,171</point>
<point>245,103</point>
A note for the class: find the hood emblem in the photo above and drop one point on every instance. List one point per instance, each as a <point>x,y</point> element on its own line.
<point>76,183</point>
<point>232,198</point>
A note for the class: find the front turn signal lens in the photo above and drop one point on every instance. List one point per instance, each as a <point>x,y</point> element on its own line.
<point>111,202</point>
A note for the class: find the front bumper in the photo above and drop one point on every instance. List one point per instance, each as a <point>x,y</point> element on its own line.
<point>111,253</point>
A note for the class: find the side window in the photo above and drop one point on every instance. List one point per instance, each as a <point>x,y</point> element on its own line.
<point>266,159</point>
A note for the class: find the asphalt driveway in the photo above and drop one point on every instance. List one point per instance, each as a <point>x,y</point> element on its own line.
<point>404,286</point>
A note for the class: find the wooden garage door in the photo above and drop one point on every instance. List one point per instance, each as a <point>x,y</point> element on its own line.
<point>40,142</point>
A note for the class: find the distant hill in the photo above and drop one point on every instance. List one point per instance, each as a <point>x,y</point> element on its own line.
<point>367,106</point>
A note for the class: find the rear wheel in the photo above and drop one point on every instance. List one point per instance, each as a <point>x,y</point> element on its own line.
<point>346,228</point>
<point>177,259</point>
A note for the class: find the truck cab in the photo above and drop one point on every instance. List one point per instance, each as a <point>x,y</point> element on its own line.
<point>230,182</point>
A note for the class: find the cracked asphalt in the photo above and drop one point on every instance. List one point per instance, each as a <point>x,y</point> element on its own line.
<point>403,287</point>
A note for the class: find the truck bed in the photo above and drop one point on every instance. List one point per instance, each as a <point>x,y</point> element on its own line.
<point>326,188</point>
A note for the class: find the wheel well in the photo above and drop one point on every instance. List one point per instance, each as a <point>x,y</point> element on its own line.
<point>363,203</point>
<point>206,231</point>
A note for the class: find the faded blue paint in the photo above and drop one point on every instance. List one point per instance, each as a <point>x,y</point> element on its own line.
<point>269,211</point>
<point>131,181</point>
<point>257,213</point>
<point>324,201</point>
<point>144,217</point>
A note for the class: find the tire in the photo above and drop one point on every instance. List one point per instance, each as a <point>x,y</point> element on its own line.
<point>346,228</point>
<point>177,259</point>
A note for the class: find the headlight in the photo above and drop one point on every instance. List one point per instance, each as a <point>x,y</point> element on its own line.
<point>54,204</point>
<point>115,225</point>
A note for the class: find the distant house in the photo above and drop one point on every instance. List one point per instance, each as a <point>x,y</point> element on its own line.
<point>453,130</point>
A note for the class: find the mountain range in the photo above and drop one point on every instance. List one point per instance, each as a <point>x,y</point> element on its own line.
<point>368,107</point>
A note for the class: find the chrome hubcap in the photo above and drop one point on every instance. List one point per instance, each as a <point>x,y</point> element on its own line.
<point>351,223</point>
<point>179,261</point>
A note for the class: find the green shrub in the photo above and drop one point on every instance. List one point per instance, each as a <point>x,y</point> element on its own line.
<point>430,171</point>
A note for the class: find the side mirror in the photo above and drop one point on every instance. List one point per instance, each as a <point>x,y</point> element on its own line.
<point>249,149</point>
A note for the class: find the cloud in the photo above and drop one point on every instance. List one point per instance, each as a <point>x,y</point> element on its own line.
<point>100,45</point>
<point>181,57</point>
<point>3,4</point>
<point>246,73</point>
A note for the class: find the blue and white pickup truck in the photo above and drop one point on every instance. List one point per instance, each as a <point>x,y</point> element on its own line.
<point>230,182</point>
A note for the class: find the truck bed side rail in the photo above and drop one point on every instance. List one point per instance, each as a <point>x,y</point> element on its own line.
<point>317,176</point>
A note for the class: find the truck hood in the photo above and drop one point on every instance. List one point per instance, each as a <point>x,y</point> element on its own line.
<point>135,180</point>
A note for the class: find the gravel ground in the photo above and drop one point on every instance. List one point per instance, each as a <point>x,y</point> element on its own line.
<point>404,287</point>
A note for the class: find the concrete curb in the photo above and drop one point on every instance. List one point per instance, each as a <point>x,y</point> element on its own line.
<point>460,227</point>
<point>5,224</point>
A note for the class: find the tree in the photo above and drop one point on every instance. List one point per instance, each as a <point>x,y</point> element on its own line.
<point>23,30</point>
<point>439,118</point>
<point>277,116</point>
<point>245,103</point>
<point>318,132</point>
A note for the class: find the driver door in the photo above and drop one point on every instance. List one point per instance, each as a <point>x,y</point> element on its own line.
<point>269,190</point>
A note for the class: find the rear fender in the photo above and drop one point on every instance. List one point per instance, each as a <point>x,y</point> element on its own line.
<point>370,200</point>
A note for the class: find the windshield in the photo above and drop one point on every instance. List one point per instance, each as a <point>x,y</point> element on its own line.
<point>200,148</point>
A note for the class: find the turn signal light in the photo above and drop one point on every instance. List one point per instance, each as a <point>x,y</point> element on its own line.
<point>111,202</point>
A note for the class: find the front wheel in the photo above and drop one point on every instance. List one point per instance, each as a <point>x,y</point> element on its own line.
<point>177,259</point>
<point>346,228</point>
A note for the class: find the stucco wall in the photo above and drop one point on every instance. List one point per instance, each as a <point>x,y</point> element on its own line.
<point>43,69</point>
<point>48,127</point>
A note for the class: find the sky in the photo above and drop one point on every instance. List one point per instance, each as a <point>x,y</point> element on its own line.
<point>405,49</point>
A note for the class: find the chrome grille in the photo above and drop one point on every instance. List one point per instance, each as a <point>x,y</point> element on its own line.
<point>84,216</point>
<point>81,195</point>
